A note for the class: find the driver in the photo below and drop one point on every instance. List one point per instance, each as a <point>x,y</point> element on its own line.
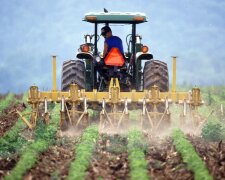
<point>110,41</point>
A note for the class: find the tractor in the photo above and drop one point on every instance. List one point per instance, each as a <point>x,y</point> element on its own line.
<point>139,71</point>
<point>140,83</point>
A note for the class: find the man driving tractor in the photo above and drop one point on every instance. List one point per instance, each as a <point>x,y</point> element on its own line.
<point>110,41</point>
<point>113,54</point>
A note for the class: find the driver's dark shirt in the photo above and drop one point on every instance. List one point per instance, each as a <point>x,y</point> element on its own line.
<point>114,42</point>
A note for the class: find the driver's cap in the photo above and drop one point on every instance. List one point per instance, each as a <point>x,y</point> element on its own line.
<point>104,30</point>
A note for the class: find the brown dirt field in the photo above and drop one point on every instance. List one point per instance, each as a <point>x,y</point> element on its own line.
<point>2,96</point>
<point>213,154</point>
<point>164,162</point>
<point>19,96</point>
<point>7,164</point>
<point>54,162</point>
<point>110,160</point>
<point>9,117</point>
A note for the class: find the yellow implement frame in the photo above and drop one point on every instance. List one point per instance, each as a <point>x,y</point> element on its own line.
<point>114,96</point>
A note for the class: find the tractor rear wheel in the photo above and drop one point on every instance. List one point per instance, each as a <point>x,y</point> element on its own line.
<point>156,73</point>
<point>73,71</point>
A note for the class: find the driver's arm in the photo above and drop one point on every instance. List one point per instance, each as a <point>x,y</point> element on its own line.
<point>105,49</point>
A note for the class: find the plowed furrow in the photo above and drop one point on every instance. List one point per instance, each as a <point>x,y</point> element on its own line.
<point>213,154</point>
<point>164,162</point>
<point>54,163</point>
<point>110,160</point>
<point>7,164</point>
<point>9,117</point>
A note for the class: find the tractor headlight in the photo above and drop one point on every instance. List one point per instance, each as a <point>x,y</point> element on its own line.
<point>144,49</point>
<point>84,48</point>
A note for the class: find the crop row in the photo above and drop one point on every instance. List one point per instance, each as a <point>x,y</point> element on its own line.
<point>45,136</point>
<point>12,141</point>
<point>136,156</point>
<point>5,102</point>
<point>83,152</point>
<point>189,155</point>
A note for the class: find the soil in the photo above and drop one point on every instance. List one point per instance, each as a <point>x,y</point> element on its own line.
<point>7,164</point>
<point>19,96</point>
<point>9,117</point>
<point>110,159</point>
<point>164,162</point>
<point>54,162</point>
<point>213,154</point>
<point>2,96</point>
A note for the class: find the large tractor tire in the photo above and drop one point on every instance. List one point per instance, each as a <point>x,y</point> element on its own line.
<point>73,71</point>
<point>156,73</point>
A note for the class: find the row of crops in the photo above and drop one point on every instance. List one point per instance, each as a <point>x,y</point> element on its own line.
<point>45,136</point>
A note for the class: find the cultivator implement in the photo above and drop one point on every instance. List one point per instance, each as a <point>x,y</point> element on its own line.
<point>114,104</point>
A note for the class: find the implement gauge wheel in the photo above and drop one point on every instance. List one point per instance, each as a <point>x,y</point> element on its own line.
<point>73,71</point>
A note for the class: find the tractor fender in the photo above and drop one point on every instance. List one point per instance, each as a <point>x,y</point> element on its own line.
<point>144,56</point>
<point>85,55</point>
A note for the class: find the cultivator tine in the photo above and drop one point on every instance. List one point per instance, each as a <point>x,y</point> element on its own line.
<point>80,118</point>
<point>62,112</point>
<point>68,114</point>
<point>126,108</point>
<point>108,118</point>
<point>203,122</point>
<point>104,117</point>
<point>85,112</point>
<point>144,113</point>
<point>149,118</point>
<point>85,105</point>
<point>120,120</point>
<point>125,112</point>
<point>167,106</point>
<point>46,113</point>
<point>34,115</point>
<point>25,120</point>
<point>185,108</point>
<point>102,114</point>
<point>157,126</point>
<point>63,104</point>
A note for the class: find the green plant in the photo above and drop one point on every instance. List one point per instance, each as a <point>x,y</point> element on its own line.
<point>213,130</point>
<point>117,143</point>
<point>44,137</point>
<point>136,156</point>
<point>189,155</point>
<point>84,151</point>
<point>5,102</point>
<point>12,141</point>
